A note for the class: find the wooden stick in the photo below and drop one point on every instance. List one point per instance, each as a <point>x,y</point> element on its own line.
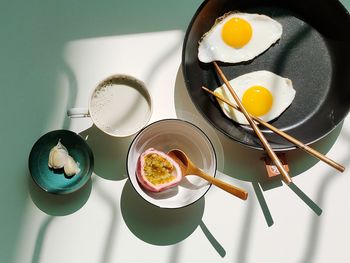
<point>293,140</point>
<point>262,138</point>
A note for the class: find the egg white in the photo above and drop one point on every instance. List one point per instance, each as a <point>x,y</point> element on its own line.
<point>266,32</point>
<point>281,89</point>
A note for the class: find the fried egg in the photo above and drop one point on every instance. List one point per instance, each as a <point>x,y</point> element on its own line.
<point>236,37</point>
<point>262,93</point>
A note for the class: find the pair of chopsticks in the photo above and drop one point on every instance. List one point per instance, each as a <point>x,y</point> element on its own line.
<point>253,120</point>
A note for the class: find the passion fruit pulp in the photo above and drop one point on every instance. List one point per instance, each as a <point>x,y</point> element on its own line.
<point>156,171</point>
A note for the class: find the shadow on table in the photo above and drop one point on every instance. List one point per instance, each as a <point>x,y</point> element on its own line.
<point>112,227</point>
<point>40,238</point>
<point>109,153</point>
<point>58,205</point>
<point>315,224</point>
<point>61,205</point>
<point>161,226</point>
<point>155,225</point>
<point>54,205</point>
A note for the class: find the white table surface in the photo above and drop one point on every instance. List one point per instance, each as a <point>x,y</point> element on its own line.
<point>106,221</point>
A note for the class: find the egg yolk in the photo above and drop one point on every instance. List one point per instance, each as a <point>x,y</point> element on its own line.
<point>257,100</point>
<point>236,32</point>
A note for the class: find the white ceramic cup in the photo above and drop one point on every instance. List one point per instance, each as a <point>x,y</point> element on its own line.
<point>120,106</point>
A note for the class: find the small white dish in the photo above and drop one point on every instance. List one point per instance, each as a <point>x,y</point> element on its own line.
<point>165,135</point>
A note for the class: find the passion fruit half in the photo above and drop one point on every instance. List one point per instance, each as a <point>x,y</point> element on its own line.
<point>156,171</point>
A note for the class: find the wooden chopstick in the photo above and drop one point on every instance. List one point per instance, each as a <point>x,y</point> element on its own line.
<point>262,138</point>
<point>293,140</point>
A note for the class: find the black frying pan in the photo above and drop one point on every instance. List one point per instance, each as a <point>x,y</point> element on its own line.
<point>314,52</point>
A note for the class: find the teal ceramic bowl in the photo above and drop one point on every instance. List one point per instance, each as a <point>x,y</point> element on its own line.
<point>55,181</point>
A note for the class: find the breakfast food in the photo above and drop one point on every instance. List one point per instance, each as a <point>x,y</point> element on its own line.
<point>59,158</point>
<point>71,167</point>
<point>236,37</point>
<point>262,93</point>
<point>156,171</point>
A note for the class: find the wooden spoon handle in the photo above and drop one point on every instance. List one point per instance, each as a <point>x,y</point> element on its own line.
<point>236,191</point>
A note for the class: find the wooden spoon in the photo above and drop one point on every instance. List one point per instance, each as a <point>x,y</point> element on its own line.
<point>189,168</point>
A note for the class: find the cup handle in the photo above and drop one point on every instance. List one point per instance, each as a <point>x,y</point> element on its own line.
<point>78,113</point>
